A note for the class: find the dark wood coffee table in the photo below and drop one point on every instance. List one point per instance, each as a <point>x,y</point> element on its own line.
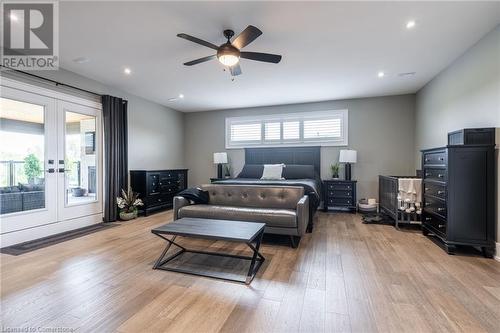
<point>249,233</point>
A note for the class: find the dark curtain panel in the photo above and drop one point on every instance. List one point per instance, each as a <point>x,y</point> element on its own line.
<point>114,111</point>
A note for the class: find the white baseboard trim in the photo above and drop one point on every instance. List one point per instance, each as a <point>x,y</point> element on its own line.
<point>26,235</point>
<point>497,252</point>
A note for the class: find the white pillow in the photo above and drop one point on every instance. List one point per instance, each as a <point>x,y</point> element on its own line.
<point>272,171</point>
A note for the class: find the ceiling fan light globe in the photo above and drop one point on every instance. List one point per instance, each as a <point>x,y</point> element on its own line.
<point>228,59</point>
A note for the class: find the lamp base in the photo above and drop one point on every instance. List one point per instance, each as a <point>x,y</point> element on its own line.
<point>348,171</point>
<point>219,170</point>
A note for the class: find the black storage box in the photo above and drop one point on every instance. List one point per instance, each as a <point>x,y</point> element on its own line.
<point>472,136</point>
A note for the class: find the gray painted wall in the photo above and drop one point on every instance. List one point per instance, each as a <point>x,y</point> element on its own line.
<point>381,129</point>
<point>466,94</point>
<point>156,132</point>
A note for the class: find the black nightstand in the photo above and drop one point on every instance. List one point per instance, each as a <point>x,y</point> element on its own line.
<point>339,194</point>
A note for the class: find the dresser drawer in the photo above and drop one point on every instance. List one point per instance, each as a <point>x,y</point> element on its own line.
<point>435,158</point>
<point>160,199</point>
<point>169,174</point>
<point>169,189</point>
<point>435,223</point>
<point>435,206</point>
<point>340,202</point>
<point>340,186</point>
<point>340,194</point>
<point>436,190</point>
<point>435,174</point>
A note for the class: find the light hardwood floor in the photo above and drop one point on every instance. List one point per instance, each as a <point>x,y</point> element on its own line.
<point>345,276</point>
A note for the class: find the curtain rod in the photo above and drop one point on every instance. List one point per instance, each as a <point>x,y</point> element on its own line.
<point>51,81</point>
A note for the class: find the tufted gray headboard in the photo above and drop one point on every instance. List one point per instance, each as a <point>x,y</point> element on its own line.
<point>286,155</point>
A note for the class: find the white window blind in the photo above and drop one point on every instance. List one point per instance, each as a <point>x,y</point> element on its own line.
<point>245,132</point>
<point>291,130</point>
<point>272,131</point>
<point>324,128</point>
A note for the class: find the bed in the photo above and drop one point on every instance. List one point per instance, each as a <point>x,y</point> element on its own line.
<point>303,170</point>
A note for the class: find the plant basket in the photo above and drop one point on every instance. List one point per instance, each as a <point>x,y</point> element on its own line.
<point>127,216</point>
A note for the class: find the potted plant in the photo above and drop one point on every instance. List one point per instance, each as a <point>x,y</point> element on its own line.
<point>335,170</point>
<point>227,171</point>
<point>128,203</point>
<point>32,168</point>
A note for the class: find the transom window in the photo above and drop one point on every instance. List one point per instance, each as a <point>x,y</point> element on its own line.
<point>324,128</point>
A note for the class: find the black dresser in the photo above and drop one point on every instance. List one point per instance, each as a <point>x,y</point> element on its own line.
<point>458,196</point>
<point>157,188</point>
<point>339,194</point>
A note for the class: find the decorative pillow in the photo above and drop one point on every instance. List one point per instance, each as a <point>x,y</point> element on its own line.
<point>195,195</point>
<point>272,171</point>
<point>251,171</point>
<point>296,171</point>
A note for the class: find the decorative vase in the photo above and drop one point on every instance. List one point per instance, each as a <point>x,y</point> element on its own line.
<point>78,191</point>
<point>127,216</point>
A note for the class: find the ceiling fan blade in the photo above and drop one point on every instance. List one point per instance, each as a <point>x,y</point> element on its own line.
<point>265,57</point>
<point>246,37</point>
<point>198,41</point>
<point>198,61</point>
<point>235,70</point>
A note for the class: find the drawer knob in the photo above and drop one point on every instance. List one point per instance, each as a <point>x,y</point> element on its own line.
<point>427,174</point>
<point>440,192</point>
<point>441,158</point>
<point>427,160</point>
<point>441,226</point>
<point>427,203</point>
<point>428,219</point>
<point>440,176</point>
<point>427,189</point>
<point>440,209</point>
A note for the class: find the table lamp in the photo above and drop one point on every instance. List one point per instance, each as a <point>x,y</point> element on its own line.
<point>219,159</point>
<point>348,157</point>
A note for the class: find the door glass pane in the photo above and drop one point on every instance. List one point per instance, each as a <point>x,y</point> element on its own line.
<point>80,158</point>
<point>22,154</point>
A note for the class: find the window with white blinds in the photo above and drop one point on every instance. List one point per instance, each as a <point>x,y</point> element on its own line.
<point>324,128</point>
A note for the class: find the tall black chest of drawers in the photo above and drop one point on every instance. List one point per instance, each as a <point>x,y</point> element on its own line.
<point>339,194</point>
<point>458,196</point>
<point>157,188</point>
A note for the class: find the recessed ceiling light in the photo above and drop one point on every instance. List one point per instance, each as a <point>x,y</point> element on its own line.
<point>127,71</point>
<point>81,60</point>
<point>410,24</point>
<point>381,74</point>
<point>181,96</point>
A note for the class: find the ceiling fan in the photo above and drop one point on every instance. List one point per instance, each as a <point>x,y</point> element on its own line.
<point>229,53</point>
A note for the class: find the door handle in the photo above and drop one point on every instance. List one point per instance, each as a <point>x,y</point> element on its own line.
<point>61,170</point>
<point>51,170</point>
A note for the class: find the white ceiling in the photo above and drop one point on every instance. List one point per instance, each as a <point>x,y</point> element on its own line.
<point>331,50</point>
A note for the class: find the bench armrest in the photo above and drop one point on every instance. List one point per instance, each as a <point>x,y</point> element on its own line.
<point>302,214</point>
<point>179,202</point>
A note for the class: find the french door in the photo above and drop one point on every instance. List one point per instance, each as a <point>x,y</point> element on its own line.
<point>50,162</point>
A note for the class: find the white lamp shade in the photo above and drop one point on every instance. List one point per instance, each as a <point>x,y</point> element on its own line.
<point>348,156</point>
<point>220,158</point>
